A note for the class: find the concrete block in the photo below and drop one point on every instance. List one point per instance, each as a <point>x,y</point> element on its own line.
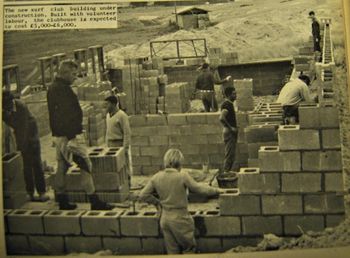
<point>322,161</point>
<point>151,170</point>
<point>139,141</point>
<point>261,133</point>
<point>253,148</point>
<point>242,119</point>
<point>301,182</point>
<point>100,223</point>
<point>253,162</point>
<point>334,182</point>
<point>233,204</point>
<point>216,139</point>
<point>282,204</point>
<point>251,181</point>
<point>258,225</point>
<point>209,245</point>
<point>309,116</point>
<point>26,222</point>
<point>59,222</point>
<point>142,161</point>
<point>330,116</point>
<point>196,118</point>
<point>157,140</point>
<point>271,159</point>
<point>11,164</point>
<point>213,118</point>
<point>323,203</point>
<point>137,120</point>
<point>152,120</point>
<point>85,244</point>
<point>297,225</point>
<point>177,119</point>
<point>139,224</point>
<point>334,220</point>
<point>47,245</point>
<point>152,246</point>
<point>17,244</point>
<point>124,245</point>
<point>330,139</point>
<point>290,137</point>
<point>216,225</point>
<point>153,151</point>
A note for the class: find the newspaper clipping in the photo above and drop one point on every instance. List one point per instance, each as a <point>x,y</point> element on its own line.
<point>165,127</point>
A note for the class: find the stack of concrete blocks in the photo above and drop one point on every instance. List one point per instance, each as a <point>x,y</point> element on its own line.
<point>13,181</point>
<point>94,123</point>
<point>92,91</point>
<point>244,90</point>
<point>241,157</point>
<point>298,186</point>
<point>176,99</point>
<point>109,175</point>
<point>197,135</point>
<point>125,232</point>
<point>266,113</point>
<point>257,136</point>
<point>131,84</point>
<point>261,130</point>
<point>218,57</point>
<point>150,91</point>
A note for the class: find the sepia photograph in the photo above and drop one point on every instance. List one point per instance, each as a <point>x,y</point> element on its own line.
<point>209,128</point>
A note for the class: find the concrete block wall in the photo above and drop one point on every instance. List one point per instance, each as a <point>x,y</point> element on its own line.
<point>56,232</point>
<point>94,122</point>
<point>197,135</point>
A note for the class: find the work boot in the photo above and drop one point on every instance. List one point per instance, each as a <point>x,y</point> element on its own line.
<point>64,204</point>
<point>43,197</point>
<point>97,204</point>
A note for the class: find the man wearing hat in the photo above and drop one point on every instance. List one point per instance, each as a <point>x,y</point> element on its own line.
<point>17,115</point>
<point>66,119</point>
<point>118,131</point>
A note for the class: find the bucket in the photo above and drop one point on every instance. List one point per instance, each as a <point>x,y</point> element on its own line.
<point>227,180</point>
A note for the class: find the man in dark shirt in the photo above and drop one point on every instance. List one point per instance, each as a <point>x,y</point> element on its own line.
<point>17,115</point>
<point>205,85</point>
<point>315,31</point>
<point>230,131</point>
<point>66,119</point>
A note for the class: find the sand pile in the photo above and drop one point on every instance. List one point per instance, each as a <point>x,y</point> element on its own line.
<point>330,237</point>
<point>254,29</point>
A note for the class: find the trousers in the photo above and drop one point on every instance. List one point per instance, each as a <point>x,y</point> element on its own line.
<point>209,101</point>
<point>178,228</point>
<point>230,140</point>
<point>64,155</point>
<point>32,168</point>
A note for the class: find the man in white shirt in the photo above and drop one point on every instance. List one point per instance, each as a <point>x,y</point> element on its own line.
<point>118,131</point>
<point>292,94</point>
